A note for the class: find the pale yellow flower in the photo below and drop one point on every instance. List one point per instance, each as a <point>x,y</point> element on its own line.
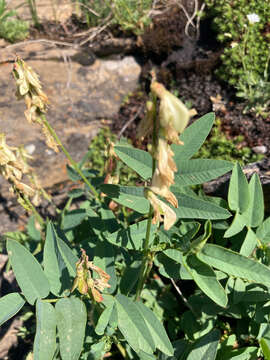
<point>159,188</point>
<point>162,212</point>
<point>173,114</point>
<point>165,163</point>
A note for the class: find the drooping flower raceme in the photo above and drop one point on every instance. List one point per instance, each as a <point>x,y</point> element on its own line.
<point>29,88</point>
<point>13,166</point>
<point>85,283</point>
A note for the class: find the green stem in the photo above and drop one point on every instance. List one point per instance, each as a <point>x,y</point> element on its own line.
<point>33,11</point>
<point>73,163</point>
<point>50,300</point>
<point>145,256</point>
<point>121,349</point>
<point>144,270</point>
<point>35,212</point>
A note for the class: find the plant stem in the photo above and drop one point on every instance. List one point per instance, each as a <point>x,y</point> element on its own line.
<point>145,263</point>
<point>120,348</point>
<point>145,256</point>
<point>33,11</point>
<point>35,212</point>
<point>73,163</point>
<point>177,288</point>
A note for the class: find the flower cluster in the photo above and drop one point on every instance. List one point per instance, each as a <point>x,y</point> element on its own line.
<point>85,283</point>
<point>173,118</point>
<point>29,88</point>
<point>13,166</point>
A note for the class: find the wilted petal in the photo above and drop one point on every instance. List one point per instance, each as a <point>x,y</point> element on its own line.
<point>159,188</point>
<point>25,189</point>
<point>96,295</point>
<point>161,210</point>
<point>166,164</point>
<point>50,141</point>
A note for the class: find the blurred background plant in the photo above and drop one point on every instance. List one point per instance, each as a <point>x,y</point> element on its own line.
<point>132,15</point>
<point>244,26</point>
<point>33,10</point>
<point>93,12</point>
<point>218,146</point>
<point>11,28</point>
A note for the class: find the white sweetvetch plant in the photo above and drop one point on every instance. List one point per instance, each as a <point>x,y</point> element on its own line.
<point>99,275</point>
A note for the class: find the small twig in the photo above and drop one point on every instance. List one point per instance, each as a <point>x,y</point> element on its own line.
<point>68,64</point>
<point>92,36</point>
<point>192,17</point>
<point>24,43</point>
<point>129,122</point>
<point>183,297</point>
<point>198,21</point>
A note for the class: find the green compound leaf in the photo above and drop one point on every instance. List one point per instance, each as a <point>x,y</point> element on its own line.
<point>235,264</point>
<point>138,160</point>
<point>69,257</point>
<point>9,306</point>
<point>54,265</point>
<point>254,214</point>
<point>236,226</point>
<point>206,347</point>
<point>73,218</point>
<point>71,321</point>
<point>263,231</point>
<point>104,258</point>
<point>160,337</point>
<point>129,196</point>
<point>238,196</point>
<point>193,137</point>
<point>198,171</point>
<point>103,320</point>
<point>249,243</point>
<point>265,346</point>
<point>205,277</point>
<point>133,326</point>
<point>28,272</point>
<point>194,208</point>
<point>133,237</point>
<point>45,338</point>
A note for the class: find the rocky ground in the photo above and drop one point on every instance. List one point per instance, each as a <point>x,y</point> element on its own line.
<point>87,85</point>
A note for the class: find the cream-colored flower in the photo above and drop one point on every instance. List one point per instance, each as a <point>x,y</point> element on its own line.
<point>162,212</point>
<point>174,115</point>
<point>13,165</point>
<point>165,163</point>
<point>29,88</point>
<point>159,188</point>
<point>50,141</point>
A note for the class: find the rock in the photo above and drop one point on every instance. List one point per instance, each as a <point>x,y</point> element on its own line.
<point>80,97</point>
